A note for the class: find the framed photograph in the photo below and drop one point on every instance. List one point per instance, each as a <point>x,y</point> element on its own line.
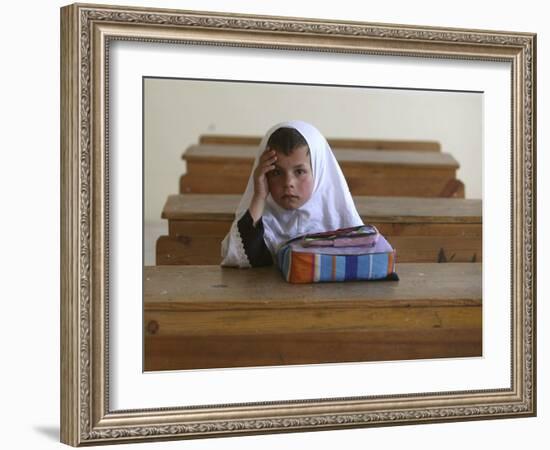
<point>160,342</point>
<point>411,191</point>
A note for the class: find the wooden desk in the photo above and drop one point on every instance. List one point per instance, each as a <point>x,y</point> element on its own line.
<point>367,144</point>
<point>208,316</point>
<point>216,169</point>
<point>420,229</point>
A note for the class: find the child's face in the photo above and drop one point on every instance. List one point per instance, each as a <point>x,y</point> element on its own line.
<point>291,182</point>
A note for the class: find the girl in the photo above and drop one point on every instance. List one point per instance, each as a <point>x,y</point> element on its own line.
<point>296,187</point>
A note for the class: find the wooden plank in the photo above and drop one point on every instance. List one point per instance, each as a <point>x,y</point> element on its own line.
<point>190,249</point>
<point>194,288</point>
<point>371,182</point>
<point>421,230</point>
<point>371,144</point>
<point>205,352</point>
<point>403,229</point>
<point>228,322</point>
<point>221,207</point>
<point>207,316</point>
<point>246,154</point>
<point>368,172</point>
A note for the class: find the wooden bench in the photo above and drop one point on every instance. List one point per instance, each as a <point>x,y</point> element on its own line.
<point>207,316</point>
<point>420,229</point>
<point>370,144</point>
<point>222,168</point>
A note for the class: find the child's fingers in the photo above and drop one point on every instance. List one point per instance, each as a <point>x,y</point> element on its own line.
<point>267,162</point>
<point>267,155</point>
<point>267,168</point>
<point>271,161</point>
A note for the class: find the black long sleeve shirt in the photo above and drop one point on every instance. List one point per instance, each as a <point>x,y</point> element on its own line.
<point>253,241</point>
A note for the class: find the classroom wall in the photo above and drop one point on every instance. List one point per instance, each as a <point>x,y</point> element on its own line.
<point>178,111</point>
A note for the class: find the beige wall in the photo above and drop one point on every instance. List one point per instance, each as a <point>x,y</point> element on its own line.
<point>178,111</point>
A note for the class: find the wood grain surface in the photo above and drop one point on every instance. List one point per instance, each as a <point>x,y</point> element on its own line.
<point>244,153</point>
<point>371,144</point>
<point>208,316</point>
<point>422,230</point>
<point>368,172</point>
<point>222,207</point>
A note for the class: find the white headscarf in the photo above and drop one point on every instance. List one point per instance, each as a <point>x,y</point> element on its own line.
<point>330,206</point>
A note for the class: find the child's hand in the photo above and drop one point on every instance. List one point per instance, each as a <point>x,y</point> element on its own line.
<point>266,164</point>
<point>261,188</point>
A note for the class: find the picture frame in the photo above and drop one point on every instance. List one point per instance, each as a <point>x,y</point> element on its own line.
<point>87,31</point>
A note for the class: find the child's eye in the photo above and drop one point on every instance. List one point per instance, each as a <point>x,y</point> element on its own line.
<point>275,172</point>
<point>300,171</point>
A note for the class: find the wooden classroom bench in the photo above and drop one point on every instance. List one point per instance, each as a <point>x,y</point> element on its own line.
<point>198,317</point>
<point>367,144</point>
<point>420,229</point>
<point>223,168</point>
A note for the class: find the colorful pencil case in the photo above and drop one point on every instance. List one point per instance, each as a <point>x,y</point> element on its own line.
<point>314,264</point>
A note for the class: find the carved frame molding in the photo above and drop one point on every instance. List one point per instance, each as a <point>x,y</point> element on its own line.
<point>86,32</point>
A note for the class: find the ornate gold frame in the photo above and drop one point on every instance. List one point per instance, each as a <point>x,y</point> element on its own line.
<point>86,31</point>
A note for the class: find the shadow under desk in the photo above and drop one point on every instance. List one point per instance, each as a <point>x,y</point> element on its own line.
<point>198,317</point>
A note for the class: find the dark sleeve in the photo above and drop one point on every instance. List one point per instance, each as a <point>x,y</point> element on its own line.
<point>253,241</point>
